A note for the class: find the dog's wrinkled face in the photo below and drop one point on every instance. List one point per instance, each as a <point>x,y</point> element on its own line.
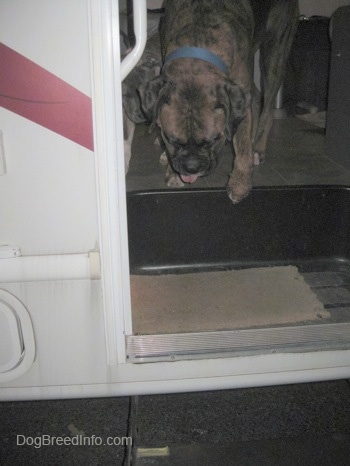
<point>196,119</point>
<point>192,126</point>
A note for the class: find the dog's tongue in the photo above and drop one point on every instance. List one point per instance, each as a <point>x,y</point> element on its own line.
<point>189,178</point>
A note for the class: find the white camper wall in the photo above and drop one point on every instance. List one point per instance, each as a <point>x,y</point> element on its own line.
<point>47,196</point>
<point>48,202</point>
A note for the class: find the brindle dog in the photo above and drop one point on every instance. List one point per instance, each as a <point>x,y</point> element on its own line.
<point>146,69</point>
<point>200,101</point>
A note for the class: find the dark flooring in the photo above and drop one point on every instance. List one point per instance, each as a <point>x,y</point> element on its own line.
<point>295,156</point>
<point>302,424</point>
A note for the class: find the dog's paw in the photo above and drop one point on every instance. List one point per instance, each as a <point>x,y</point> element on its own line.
<point>239,186</point>
<point>256,156</point>
<point>259,157</point>
<point>163,159</point>
<point>174,181</point>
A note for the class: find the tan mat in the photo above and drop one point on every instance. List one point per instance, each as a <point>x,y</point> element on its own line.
<point>222,300</point>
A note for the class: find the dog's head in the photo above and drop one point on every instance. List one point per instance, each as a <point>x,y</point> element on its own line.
<point>130,89</point>
<point>196,118</point>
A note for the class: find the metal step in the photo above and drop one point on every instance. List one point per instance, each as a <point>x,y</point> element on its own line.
<point>233,343</point>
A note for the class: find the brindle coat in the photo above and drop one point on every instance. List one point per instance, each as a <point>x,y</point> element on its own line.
<point>197,106</point>
<point>146,69</point>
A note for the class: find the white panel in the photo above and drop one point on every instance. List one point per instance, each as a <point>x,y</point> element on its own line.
<point>17,343</point>
<point>2,155</point>
<point>11,345</point>
<point>69,331</point>
<point>52,33</point>
<point>48,195</point>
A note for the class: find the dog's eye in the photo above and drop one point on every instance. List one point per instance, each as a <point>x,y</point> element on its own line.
<point>172,141</point>
<point>205,143</point>
<point>219,107</point>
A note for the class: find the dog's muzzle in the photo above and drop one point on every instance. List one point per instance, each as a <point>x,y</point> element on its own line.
<point>192,166</point>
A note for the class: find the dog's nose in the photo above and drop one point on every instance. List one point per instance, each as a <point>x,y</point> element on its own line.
<point>192,165</point>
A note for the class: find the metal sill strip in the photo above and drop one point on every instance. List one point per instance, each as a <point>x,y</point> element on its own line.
<point>234,343</point>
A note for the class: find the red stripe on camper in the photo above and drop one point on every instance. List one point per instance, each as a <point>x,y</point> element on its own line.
<point>38,95</point>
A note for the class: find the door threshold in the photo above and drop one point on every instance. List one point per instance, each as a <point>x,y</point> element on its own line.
<point>235,343</point>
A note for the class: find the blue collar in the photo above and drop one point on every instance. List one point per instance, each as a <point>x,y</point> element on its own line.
<point>201,54</point>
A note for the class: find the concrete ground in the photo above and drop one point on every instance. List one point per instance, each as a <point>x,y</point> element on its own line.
<point>303,424</point>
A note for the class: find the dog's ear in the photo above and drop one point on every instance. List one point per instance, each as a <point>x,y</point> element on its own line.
<point>130,89</point>
<point>153,95</point>
<point>132,106</point>
<point>232,98</point>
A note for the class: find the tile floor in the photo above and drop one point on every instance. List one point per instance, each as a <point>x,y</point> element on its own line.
<point>295,156</point>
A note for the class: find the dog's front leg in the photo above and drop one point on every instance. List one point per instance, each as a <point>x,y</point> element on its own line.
<point>240,182</point>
